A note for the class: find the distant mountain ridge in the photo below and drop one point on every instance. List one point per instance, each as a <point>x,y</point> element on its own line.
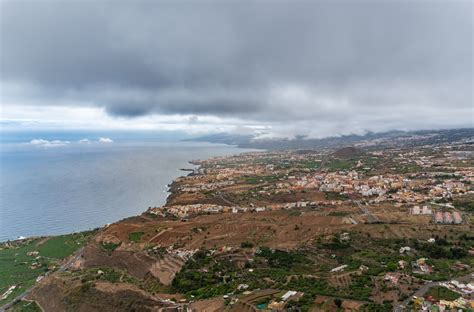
<point>404,138</point>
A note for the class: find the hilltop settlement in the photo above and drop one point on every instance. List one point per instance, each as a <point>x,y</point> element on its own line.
<point>366,227</point>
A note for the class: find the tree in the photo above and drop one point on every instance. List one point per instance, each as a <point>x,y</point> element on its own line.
<point>338,302</point>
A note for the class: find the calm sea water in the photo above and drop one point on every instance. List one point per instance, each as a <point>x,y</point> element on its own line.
<point>60,189</point>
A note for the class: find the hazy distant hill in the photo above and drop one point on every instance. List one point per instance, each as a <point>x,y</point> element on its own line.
<point>347,152</point>
<point>401,138</point>
<point>224,138</point>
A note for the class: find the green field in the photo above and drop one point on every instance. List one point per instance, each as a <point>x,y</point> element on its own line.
<point>312,164</point>
<point>109,246</point>
<point>59,247</point>
<point>135,236</point>
<point>20,269</point>
<point>442,293</point>
<point>338,164</point>
<point>25,306</point>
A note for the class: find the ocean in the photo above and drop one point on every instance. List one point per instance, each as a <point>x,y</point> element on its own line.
<point>52,187</point>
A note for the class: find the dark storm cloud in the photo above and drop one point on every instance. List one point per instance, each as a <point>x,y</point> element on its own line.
<point>364,63</point>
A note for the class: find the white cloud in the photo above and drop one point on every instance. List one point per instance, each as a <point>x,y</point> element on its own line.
<point>313,68</point>
<point>105,140</point>
<point>50,117</point>
<point>84,141</point>
<point>47,143</point>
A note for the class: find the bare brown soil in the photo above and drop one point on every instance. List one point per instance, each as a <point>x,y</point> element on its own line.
<point>68,294</point>
<point>276,229</point>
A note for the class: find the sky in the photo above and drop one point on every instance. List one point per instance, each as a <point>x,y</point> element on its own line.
<point>272,68</point>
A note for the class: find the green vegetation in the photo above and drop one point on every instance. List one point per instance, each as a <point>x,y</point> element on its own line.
<point>109,246</point>
<point>339,213</point>
<point>336,245</point>
<point>25,306</point>
<point>312,164</point>
<point>338,164</point>
<point>438,251</point>
<point>135,236</point>
<point>253,180</point>
<point>282,259</point>
<point>376,307</point>
<point>442,293</point>
<point>409,168</point>
<point>203,277</point>
<point>465,202</point>
<point>107,274</point>
<point>22,262</point>
<point>62,246</point>
<point>159,252</point>
<point>311,288</point>
<point>114,275</point>
<point>335,196</point>
<point>261,179</point>
<point>359,290</point>
<point>246,245</point>
<point>15,269</point>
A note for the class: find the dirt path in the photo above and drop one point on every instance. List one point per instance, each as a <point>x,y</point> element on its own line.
<point>42,241</point>
<point>157,235</point>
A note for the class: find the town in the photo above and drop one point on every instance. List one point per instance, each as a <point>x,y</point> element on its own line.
<point>358,228</point>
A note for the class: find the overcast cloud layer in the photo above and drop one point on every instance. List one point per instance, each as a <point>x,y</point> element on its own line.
<point>315,68</point>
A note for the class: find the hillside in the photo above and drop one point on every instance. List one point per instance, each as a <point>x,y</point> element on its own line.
<point>363,226</point>
<point>404,138</point>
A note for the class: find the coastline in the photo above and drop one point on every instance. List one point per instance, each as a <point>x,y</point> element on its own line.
<point>82,188</point>
<point>170,187</point>
<point>69,259</point>
<point>208,211</point>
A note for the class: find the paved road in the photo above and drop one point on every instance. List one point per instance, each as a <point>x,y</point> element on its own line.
<point>421,291</point>
<point>62,268</point>
<point>418,293</point>
<point>71,260</point>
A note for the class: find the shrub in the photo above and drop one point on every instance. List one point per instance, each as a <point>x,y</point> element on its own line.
<point>246,244</point>
<point>135,236</point>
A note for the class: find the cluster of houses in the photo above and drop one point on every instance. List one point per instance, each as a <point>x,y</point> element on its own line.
<point>205,186</point>
<point>378,188</point>
<point>350,182</point>
<point>185,211</point>
<point>432,305</point>
<point>462,288</point>
<point>184,254</point>
<point>275,174</point>
<point>465,301</point>
<point>447,189</point>
<point>417,187</point>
